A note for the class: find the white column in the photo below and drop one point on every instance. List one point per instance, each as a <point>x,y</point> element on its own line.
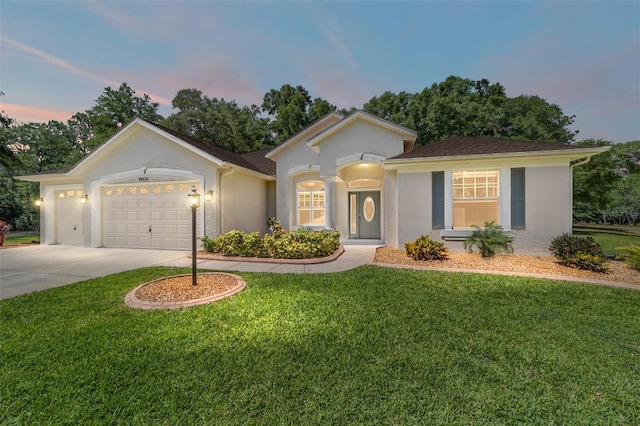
<point>330,202</point>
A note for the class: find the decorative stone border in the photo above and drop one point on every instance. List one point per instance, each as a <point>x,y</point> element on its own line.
<point>132,300</point>
<point>312,261</point>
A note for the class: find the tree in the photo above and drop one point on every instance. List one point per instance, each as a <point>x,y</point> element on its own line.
<point>113,109</point>
<point>292,110</point>
<point>219,122</point>
<point>465,107</point>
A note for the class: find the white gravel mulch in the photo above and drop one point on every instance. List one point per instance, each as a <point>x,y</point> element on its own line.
<point>514,263</point>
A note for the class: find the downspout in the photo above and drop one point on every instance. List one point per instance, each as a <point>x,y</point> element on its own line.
<point>571,166</point>
<point>221,216</point>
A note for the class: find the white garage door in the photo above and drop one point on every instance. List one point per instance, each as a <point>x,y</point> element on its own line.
<point>155,216</point>
<point>68,217</point>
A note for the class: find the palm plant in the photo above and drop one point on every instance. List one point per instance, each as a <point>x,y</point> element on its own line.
<point>489,240</point>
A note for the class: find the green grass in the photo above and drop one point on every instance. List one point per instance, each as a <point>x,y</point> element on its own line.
<point>367,346</point>
<point>609,239</point>
<point>21,239</point>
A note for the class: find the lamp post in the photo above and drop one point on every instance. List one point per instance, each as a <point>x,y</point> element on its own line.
<point>194,202</point>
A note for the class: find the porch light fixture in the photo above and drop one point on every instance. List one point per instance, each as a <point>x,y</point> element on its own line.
<point>208,196</point>
<point>39,202</point>
<point>194,202</point>
<point>84,199</point>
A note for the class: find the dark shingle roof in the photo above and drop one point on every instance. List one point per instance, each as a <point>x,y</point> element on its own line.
<point>466,145</point>
<point>247,161</point>
<point>258,159</point>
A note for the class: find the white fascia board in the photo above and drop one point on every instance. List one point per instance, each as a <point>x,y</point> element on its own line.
<point>568,155</point>
<point>124,132</point>
<point>301,135</point>
<point>406,133</point>
<point>50,178</point>
<point>228,165</point>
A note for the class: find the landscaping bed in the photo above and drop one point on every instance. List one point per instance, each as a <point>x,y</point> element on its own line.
<point>515,263</point>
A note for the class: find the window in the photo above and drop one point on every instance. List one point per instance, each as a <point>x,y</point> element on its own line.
<point>475,197</point>
<point>311,203</point>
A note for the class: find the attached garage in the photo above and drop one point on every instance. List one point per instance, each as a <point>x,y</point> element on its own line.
<point>69,229</point>
<point>132,192</point>
<point>154,215</point>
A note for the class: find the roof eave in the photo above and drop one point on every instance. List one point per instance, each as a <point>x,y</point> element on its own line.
<point>571,154</point>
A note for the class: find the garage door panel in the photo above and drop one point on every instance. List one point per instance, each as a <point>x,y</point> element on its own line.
<point>162,207</point>
<point>183,216</point>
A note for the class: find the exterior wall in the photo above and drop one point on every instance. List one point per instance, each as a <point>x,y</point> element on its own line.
<point>391,208</point>
<point>359,136</point>
<point>243,203</point>
<point>143,154</point>
<point>548,208</point>
<point>414,207</point>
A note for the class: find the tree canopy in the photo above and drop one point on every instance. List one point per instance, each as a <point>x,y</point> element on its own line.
<point>292,109</point>
<point>219,122</point>
<point>464,107</point>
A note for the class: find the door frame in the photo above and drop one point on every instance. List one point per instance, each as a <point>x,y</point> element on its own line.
<point>356,235</point>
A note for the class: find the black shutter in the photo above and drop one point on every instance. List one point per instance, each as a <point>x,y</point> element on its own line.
<point>517,199</point>
<point>437,200</point>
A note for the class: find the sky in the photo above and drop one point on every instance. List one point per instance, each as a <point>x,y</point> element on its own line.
<point>56,57</point>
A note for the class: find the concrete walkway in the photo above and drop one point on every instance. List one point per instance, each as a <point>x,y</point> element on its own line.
<point>28,269</point>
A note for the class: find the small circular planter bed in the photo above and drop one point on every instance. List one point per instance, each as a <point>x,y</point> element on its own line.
<point>178,292</point>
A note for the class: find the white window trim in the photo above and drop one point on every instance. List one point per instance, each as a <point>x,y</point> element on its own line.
<point>311,207</point>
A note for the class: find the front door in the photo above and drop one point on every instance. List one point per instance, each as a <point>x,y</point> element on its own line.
<point>364,215</point>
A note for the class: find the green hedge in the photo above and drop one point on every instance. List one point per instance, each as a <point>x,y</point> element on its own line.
<point>301,244</point>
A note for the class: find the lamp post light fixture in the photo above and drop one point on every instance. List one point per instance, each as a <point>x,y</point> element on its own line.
<point>194,202</point>
<point>84,199</point>
<point>39,202</point>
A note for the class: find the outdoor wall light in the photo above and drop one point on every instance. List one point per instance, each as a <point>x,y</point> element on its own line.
<point>208,196</point>
<point>39,202</point>
<point>84,199</point>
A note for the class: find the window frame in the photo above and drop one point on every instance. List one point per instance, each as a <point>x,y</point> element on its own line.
<point>315,202</point>
<point>472,189</point>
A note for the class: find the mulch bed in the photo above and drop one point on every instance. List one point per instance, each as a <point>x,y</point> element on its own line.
<point>514,263</point>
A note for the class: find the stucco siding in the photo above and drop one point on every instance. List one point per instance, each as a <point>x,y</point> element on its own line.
<point>414,206</point>
<point>243,203</point>
<point>390,229</point>
<point>547,208</point>
<point>359,136</point>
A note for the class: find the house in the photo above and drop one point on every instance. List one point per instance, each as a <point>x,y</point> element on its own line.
<point>359,174</point>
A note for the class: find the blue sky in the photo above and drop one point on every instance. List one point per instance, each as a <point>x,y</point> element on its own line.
<point>57,56</point>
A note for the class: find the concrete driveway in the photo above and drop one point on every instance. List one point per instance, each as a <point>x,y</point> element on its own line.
<point>27,269</point>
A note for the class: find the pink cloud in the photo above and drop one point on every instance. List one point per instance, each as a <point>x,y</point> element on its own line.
<point>217,76</point>
<point>27,113</point>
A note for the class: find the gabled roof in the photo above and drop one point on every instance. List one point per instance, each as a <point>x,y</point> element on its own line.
<point>305,133</point>
<point>466,146</point>
<point>251,162</point>
<point>214,153</point>
<point>407,134</point>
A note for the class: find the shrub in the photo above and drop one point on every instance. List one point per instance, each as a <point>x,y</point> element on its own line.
<point>424,248</point>
<point>489,240</point>
<point>578,252</point>
<point>631,255</point>
<point>302,244</point>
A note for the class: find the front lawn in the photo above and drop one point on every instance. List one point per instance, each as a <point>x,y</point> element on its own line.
<point>21,238</point>
<point>368,346</point>
<point>610,238</point>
